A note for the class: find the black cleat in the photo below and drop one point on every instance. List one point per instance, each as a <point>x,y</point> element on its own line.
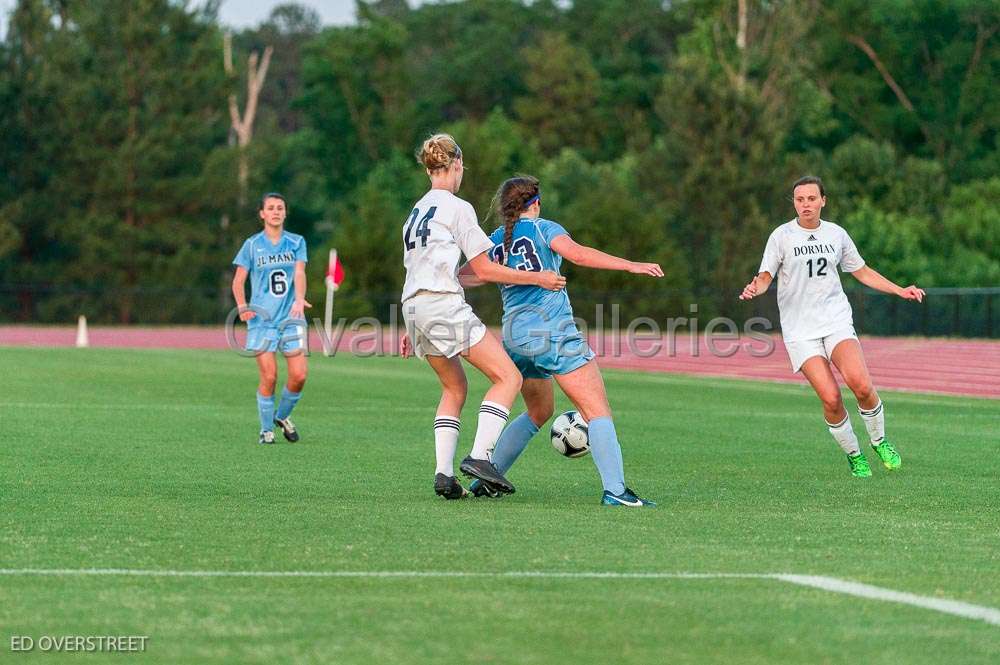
<point>449,488</point>
<point>486,472</point>
<point>288,429</point>
<point>266,437</point>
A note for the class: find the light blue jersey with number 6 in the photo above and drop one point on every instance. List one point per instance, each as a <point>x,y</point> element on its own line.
<point>530,310</point>
<point>272,275</point>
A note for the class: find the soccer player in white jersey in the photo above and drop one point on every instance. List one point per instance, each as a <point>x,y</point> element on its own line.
<point>816,319</point>
<point>275,261</point>
<point>441,326</point>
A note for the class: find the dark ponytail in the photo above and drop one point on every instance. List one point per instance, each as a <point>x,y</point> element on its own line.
<point>510,201</point>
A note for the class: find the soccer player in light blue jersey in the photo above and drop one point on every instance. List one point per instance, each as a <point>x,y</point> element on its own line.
<point>543,341</point>
<point>275,261</point>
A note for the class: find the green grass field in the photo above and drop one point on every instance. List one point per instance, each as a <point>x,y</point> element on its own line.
<point>147,460</point>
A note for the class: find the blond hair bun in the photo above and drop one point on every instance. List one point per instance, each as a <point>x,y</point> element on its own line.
<point>438,152</point>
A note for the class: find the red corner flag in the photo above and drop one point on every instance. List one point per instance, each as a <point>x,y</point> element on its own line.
<point>334,271</point>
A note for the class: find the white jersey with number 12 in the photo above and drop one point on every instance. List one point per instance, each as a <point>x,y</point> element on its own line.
<point>811,300</point>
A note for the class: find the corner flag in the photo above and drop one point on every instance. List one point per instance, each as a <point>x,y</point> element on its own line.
<point>334,276</point>
<point>334,271</point>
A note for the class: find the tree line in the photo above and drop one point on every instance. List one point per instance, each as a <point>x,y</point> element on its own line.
<point>665,132</point>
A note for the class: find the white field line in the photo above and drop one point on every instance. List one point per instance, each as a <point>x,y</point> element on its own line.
<point>957,608</point>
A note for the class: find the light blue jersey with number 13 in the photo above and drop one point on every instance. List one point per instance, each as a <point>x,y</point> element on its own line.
<point>531,309</point>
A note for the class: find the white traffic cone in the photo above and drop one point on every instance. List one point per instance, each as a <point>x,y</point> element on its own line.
<point>82,340</point>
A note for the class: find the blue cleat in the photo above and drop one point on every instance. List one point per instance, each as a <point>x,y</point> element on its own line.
<point>481,489</point>
<point>628,498</point>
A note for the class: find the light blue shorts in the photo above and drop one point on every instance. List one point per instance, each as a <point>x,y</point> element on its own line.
<point>287,337</point>
<point>540,359</point>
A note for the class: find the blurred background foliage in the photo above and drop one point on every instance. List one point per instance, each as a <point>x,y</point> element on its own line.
<point>665,132</point>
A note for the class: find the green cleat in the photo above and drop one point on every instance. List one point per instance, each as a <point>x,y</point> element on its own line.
<point>890,458</point>
<point>859,466</point>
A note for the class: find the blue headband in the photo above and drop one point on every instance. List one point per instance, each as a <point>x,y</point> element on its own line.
<point>527,204</point>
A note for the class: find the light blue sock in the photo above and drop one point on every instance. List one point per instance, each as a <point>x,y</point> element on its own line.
<point>288,402</point>
<point>607,454</point>
<point>265,409</point>
<point>513,442</point>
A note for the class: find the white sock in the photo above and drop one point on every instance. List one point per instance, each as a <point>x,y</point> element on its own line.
<point>446,431</point>
<point>844,435</point>
<point>874,422</point>
<point>492,418</point>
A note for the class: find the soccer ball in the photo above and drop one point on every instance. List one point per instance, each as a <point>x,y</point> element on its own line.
<point>569,435</point>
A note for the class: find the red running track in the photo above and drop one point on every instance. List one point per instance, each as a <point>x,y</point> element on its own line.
<point>948,366</point>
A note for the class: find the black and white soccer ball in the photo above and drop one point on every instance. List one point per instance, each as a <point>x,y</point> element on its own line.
<point>569,435</point>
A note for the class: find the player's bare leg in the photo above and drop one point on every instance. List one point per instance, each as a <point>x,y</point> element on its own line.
<point>539,399</point>
<point>298,370</point>
<point>454,385</point>
<point>585,388</point>
<point>817,371</point>
<point>489,357</point>
<point>850,360</point>
<point>267,365</point>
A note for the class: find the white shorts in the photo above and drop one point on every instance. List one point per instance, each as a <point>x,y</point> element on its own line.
<point>441,324</point>
<point>803,350</point>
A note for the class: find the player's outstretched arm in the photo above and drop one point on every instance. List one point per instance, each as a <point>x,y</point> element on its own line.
<point>488,271</point>
<point>467,277</point>
<point>588,257</point>
<point>757,286</point>
<point>239,294</point>
<point>873,279</point>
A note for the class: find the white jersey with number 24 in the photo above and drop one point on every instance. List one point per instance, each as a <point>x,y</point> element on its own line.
<point>439,230</point>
